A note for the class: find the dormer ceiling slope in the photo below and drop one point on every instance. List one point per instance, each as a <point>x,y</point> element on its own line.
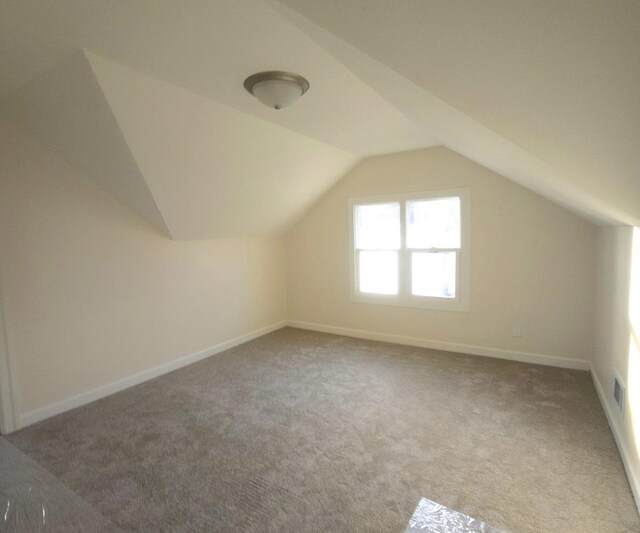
<point>147,100</point>
<point>545,93</point>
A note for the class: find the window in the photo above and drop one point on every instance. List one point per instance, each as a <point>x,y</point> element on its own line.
<point>411,249</point>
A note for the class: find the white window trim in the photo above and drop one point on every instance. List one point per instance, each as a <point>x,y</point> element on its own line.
<point>405,298</point>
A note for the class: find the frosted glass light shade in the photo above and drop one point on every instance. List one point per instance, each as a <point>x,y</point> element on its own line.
<point>277,93</point>
<point>276,89</point>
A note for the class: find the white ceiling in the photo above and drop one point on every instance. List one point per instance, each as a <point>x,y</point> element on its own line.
<point>215,172</point>
<point>543,92</point>
<point>67,110</point>
<point>550,89</point>
<point>208,47</point>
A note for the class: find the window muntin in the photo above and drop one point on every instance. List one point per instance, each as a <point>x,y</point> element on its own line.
<point>411,249</point>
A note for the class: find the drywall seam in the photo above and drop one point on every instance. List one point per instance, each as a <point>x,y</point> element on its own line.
<point>485,351</point>
<point>48,411</point>
<point>8,414</point>
<point>634,482</point>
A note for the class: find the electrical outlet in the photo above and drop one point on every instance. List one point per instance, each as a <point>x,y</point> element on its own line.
<point>516,329</point>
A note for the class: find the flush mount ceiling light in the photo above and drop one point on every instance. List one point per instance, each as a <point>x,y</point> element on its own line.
<point>276,89</point>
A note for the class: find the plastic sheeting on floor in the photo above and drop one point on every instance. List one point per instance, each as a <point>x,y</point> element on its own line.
<point>431,517</point>
<point>33,500</point>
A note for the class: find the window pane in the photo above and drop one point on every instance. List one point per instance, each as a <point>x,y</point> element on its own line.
<point>377,226</point>
<point>433,274</point>
<point>378,272</point>
<point>434,223</point>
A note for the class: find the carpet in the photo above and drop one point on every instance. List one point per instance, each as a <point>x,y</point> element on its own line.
<point>304,431</point>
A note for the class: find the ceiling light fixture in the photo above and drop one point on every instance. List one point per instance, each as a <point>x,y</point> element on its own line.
<point>275,88</point>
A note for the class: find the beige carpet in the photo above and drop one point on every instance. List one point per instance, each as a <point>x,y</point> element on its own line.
<point>301,431</point>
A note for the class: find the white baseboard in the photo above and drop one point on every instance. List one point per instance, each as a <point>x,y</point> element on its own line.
<point>43,413</point>
<point>37,415</point>
<point>499,353</point>
<point>618,434</point>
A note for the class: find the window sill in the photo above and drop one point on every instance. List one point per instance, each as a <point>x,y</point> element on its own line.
<point>434,304</point>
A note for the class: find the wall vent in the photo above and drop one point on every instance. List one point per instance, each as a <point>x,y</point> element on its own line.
<point>619,391</point>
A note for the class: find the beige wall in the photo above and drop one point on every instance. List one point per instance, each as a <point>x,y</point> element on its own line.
<point>531,261</point>
<point>617,339</point>
<point>92,293</point>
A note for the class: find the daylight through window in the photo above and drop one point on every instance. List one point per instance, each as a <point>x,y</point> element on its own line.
<point>411,249</point>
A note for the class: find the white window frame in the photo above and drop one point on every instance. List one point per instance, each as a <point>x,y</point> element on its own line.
<point>404,298</point>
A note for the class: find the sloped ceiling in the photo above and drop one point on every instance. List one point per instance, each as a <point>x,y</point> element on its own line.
<point>216,172</point>
<point>147,98</point>
<point>67,110</point>
<point>166,112</point>
<point>544,92</point>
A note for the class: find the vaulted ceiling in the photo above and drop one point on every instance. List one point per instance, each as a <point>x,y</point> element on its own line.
<point>147,98</point>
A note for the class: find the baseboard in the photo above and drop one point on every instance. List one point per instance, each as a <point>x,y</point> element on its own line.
<point>57,408</point>
<point>616,429</point>
<point>499,353</point>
